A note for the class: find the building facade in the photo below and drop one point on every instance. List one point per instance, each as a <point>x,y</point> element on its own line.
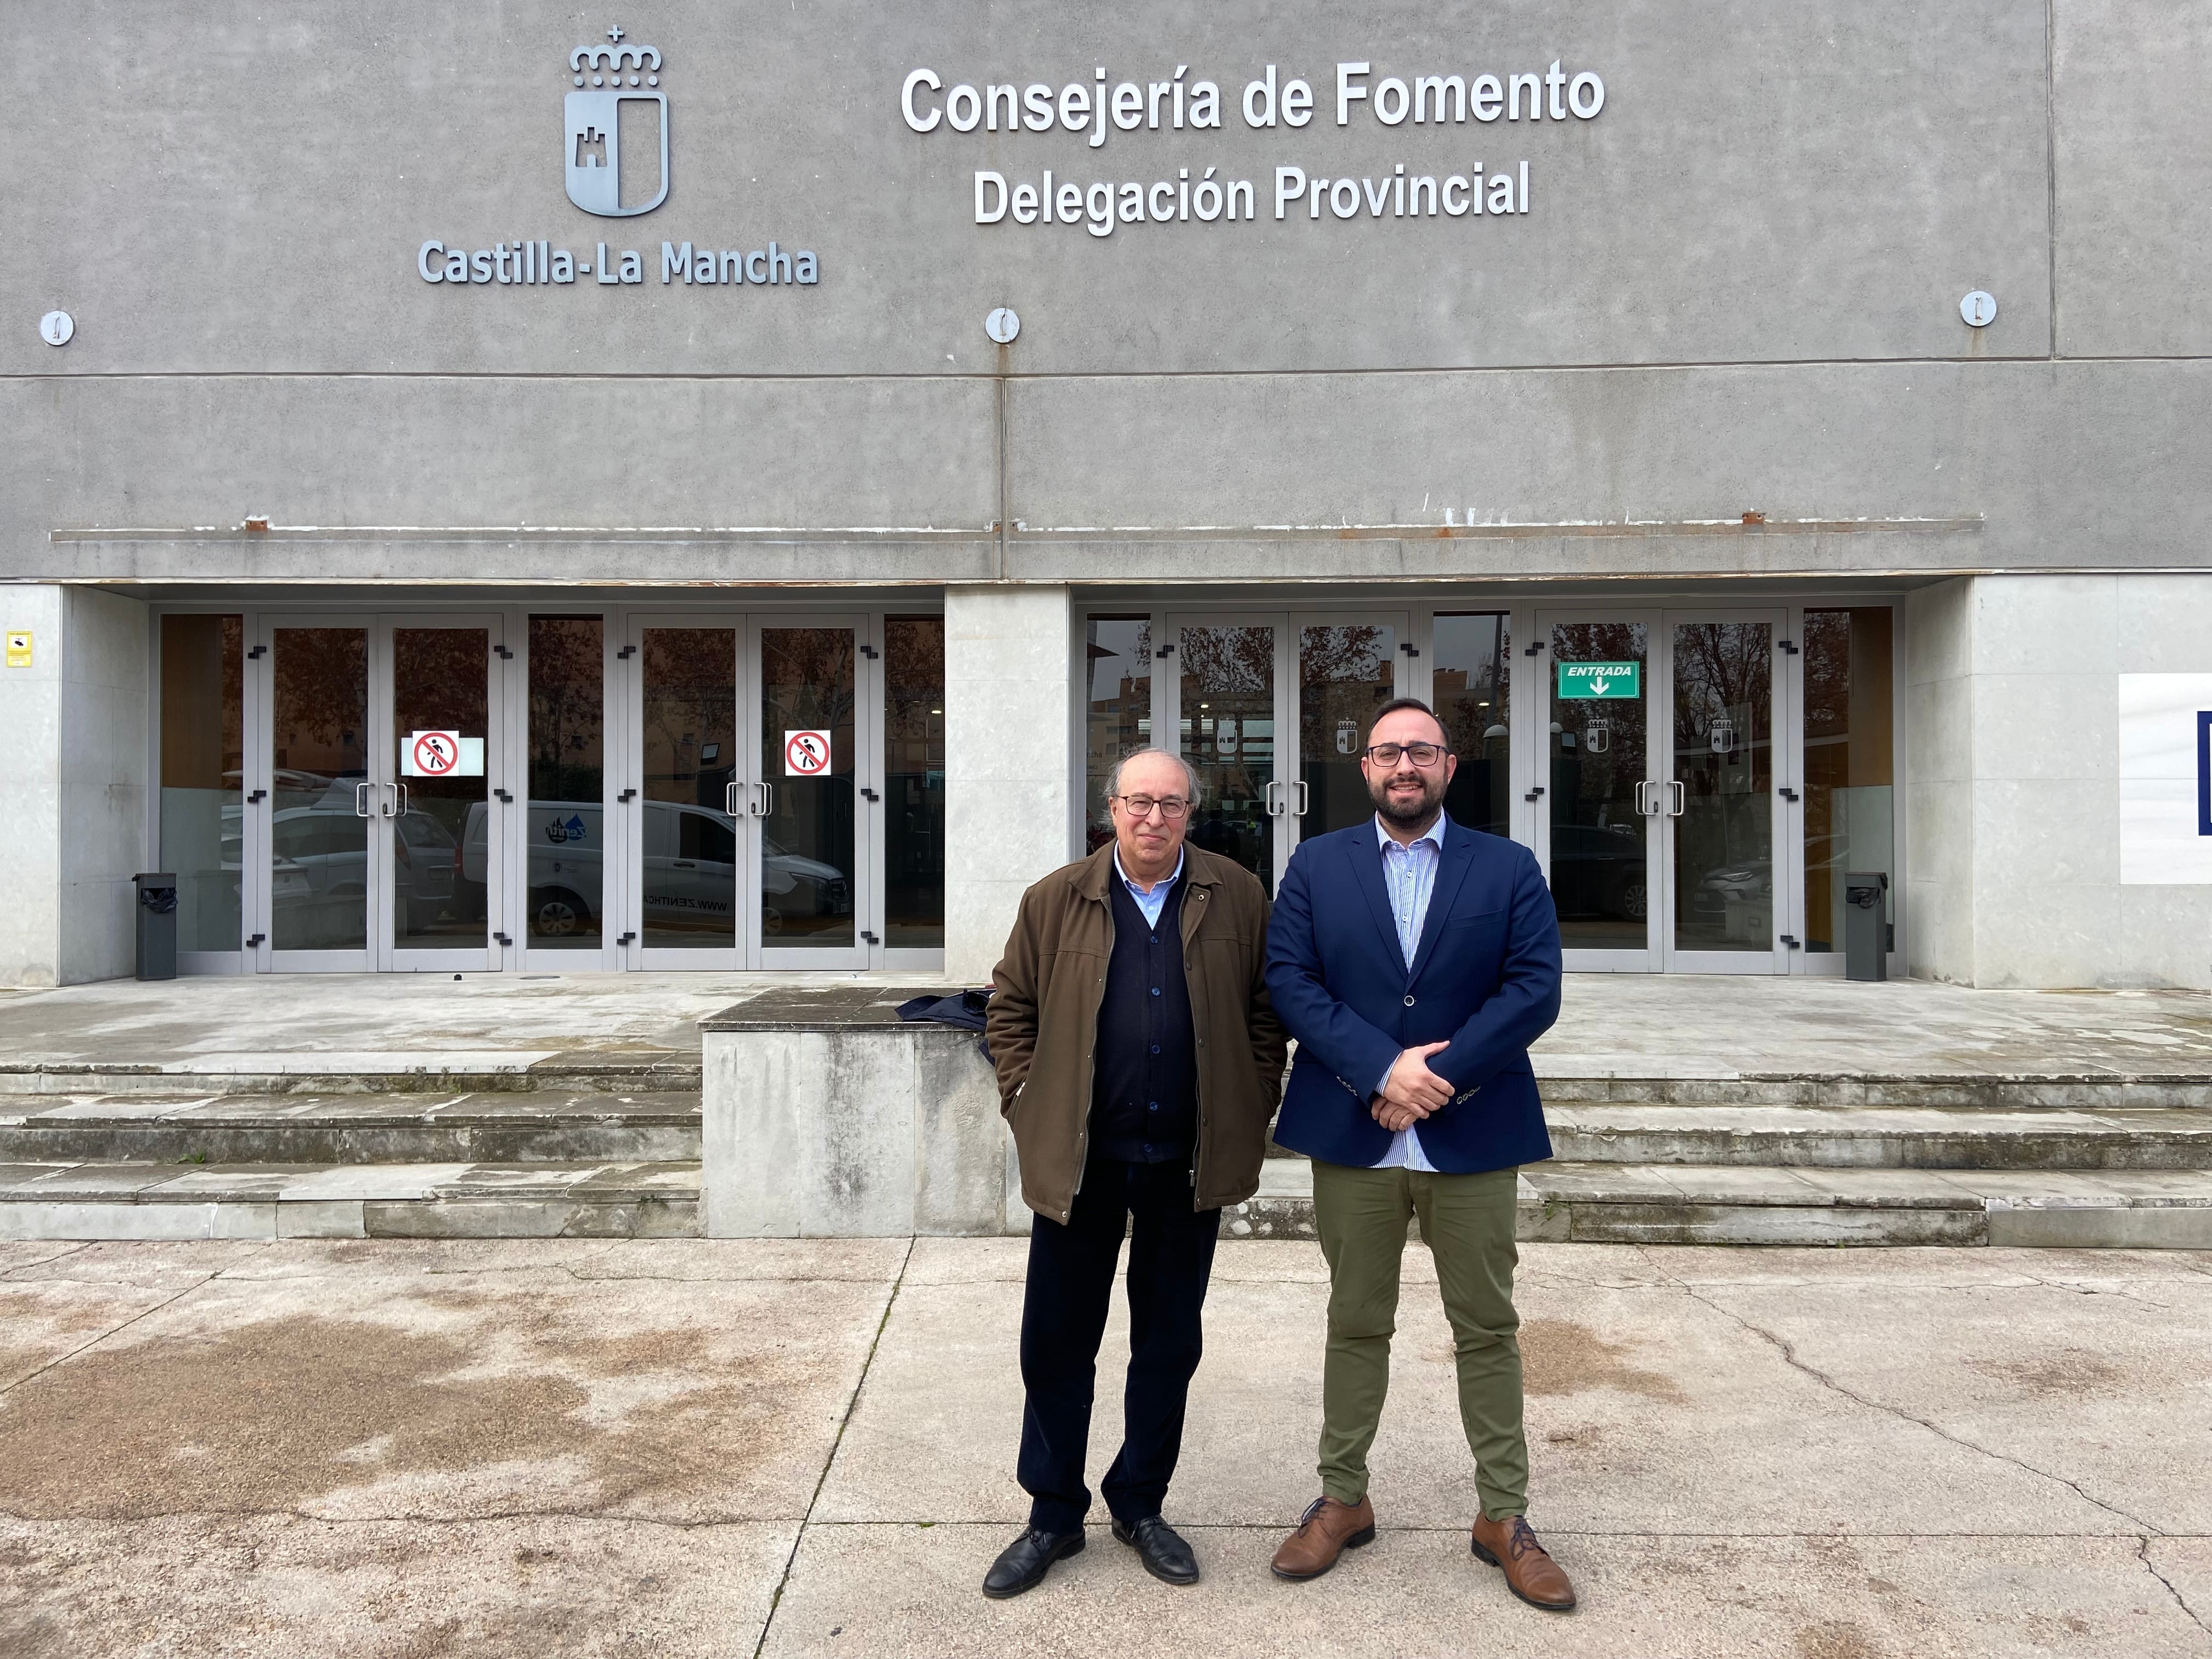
<point>524,490</point>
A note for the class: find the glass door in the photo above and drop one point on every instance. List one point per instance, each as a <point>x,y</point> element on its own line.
<point>812,804</point>
<point>1595,796</point>
<point>315,799</point>
<point>690,848</point>
<point>1658,805</point>
<point>1721,818</point>
<point>440,838</point>
<point>372,796</point>
<point>1226,714</point>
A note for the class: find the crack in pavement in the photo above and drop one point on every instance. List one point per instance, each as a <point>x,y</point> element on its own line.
<point>1788,1353</point>
<point>143,1313</point>
<point>836,1441</point>
<point>2143,1555</point>
<point>46,1261</point>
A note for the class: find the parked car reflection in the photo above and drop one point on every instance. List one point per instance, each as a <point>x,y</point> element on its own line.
<point>1598,870</point>
<point>689,859</point>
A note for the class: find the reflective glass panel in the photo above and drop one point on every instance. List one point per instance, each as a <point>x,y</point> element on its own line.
<point>1723,767</point>
<point>1346,672</point>
<point>441,680</point>
<point>913,782</point>
<point>1473,680</point>
<point>1850,811</point>
<point>1229,734</point>
<point>318,822</point>
<point>689,839</point>
<point>1118,712</point>
<point>806,763</point>
<point>566,830</point>
<point>1598,756</point>
<point>202,774</point>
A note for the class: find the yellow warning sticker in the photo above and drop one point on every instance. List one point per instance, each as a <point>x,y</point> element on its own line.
<point>19,647</point>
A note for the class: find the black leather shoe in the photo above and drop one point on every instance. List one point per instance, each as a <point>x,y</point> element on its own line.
<point>1022,1563</point>
<point>1161,1548</point>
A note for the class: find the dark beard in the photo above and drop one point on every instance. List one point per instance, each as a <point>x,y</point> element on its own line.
<point>1416,817</point>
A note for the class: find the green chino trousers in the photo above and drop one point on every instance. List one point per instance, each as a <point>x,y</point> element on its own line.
<point>1468,1220</point>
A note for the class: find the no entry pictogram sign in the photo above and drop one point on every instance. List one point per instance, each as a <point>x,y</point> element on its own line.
<point>806,754</point>
<point>433,754</point>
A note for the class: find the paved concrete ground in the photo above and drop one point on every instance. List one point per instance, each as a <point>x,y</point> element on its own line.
<point>684,1447</point>
<point>1629,1024</point>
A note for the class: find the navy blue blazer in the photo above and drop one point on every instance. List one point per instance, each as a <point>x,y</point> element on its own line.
<point>1486,977</point>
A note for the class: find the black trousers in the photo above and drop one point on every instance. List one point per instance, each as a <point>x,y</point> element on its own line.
<point>1071,1283</point>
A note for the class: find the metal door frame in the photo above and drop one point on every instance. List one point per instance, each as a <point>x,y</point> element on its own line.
<point>389,956</point>
<point>745,727</point>
<point>867,629</point>
<point>257,892</point>
<point>1536,770</point>
<point>1785,855</point>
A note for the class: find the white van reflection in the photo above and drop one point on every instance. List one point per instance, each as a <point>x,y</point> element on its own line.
<point>690,871</point>
<point>318,865</point>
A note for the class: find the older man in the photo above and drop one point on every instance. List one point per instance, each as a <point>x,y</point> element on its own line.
<point>1415,961</point>
<point>1138,1066</point>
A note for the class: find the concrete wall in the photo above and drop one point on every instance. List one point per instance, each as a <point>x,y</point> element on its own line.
<point>74,743</point>
<point>2012,783</point>
<point>1735,288</point>
<point>878,1131</point>
<point>1010,669</point>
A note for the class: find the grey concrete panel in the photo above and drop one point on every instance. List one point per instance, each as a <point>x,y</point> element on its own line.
<point>2130,130</point>
<point>696,454</point>
<point>1965,467</point>
<point>233,191</point>
<point>2070,464</point>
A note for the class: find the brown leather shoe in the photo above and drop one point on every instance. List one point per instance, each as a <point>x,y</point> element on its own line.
<point>1530,1572</point>
<point>1326,1531</point>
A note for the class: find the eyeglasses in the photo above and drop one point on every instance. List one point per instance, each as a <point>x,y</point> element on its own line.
<point>1173,808</point>
<point>1422,755</point>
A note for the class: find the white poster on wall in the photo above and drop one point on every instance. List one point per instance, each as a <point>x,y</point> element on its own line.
<point>2165,780</point>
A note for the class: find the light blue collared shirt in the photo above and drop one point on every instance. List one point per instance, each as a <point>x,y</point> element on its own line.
<point>1153,902</point>
<point>1409,875</point>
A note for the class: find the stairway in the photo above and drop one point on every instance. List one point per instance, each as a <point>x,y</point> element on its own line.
<point>439,1148</point>
<point>586,1145</point>
<point>1849,1159</point>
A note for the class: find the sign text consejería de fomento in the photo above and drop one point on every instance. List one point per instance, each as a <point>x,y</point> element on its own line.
<point>1176,104</point>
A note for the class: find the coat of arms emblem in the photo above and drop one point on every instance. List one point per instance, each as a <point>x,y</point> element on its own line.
<point>617,146</point>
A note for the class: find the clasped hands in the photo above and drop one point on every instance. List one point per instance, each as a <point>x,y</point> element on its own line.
<point>1412,1092</point>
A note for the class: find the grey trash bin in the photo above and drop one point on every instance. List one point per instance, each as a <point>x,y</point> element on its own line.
<point>157,926</point>
<point>1866,925</point>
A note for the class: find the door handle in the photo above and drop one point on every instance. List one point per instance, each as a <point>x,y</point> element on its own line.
<point>1643,792</point>
<point>395,800</point>
<point>1677,794</point>
<point>1299,810</point>
<point>729,799</point>
<point>764,799</point>
<point>1272,795</point>
<point>360,802</point>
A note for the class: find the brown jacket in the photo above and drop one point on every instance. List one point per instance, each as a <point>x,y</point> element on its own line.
<point>1043,1022</point>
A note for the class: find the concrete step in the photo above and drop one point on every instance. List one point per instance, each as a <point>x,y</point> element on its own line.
<point>1656,1080</point>
<point>1772,1204</point>
<point>1881,1137</point>
<point>146,1200</point>
<point>500,1127</point>
<point>374,1072</point>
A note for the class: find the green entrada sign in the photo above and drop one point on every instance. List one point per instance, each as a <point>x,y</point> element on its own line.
<point>1600,680</point>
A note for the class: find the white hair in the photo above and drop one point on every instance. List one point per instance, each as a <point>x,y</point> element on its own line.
<point>1197,784</point>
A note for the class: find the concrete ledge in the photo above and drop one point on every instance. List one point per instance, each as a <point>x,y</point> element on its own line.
<point>824,1117</point>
